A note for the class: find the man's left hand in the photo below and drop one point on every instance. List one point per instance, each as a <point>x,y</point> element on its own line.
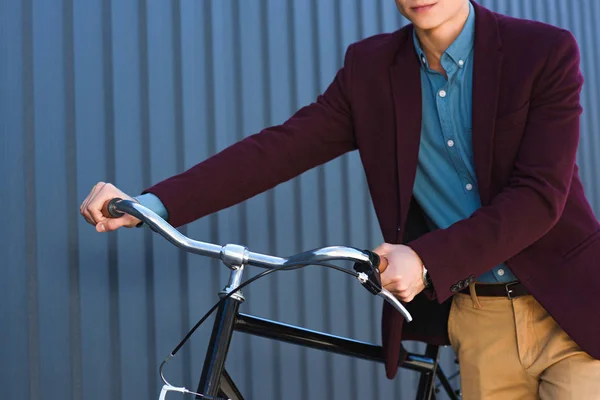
<point>403,276</point>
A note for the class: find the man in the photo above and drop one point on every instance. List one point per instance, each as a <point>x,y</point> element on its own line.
<point>467,123</point>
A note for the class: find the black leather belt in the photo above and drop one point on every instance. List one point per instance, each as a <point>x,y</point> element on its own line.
<point>511,290</point>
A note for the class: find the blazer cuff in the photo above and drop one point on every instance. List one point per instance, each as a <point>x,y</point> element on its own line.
<point>153,203</point>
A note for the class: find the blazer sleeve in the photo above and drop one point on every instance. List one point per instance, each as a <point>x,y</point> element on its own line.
<point>533,201</point>
<point>314,135</point>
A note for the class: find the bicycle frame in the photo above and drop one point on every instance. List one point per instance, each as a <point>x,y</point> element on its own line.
<point>228,320</point>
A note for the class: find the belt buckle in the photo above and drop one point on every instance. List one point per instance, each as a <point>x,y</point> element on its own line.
<point>509,291</point>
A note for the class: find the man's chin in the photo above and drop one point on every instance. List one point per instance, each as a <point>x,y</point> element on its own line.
<point>426,24</point>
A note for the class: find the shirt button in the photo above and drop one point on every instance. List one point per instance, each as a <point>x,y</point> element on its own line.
<point>450,143</point>
<point>461,62</point>
<point>469,186</point>
<point>442,93</point>
<point>500,272</point>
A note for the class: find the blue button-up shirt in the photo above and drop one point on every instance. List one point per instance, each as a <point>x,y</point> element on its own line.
<point>445,184</point>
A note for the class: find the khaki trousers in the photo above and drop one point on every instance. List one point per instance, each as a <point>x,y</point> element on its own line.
<point>513,349</point>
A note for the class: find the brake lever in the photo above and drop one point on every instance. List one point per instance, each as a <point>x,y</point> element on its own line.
<point>385,294</point>
<point>370,277</point>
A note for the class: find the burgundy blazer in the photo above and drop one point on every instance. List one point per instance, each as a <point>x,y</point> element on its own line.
<point>525,127</point>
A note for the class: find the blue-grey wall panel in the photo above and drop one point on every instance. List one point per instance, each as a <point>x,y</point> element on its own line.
<point>134,91</point>
<point>17,286</point>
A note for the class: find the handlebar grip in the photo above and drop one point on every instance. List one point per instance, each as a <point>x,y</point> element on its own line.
<point>378,261</point>
<point>109,209</point>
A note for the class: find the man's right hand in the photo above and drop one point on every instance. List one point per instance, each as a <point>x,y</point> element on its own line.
<point>91,208</point>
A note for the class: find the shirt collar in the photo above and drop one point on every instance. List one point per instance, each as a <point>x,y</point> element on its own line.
<point>462,46</point>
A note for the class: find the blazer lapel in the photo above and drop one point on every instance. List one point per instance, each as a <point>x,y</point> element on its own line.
<point>487,65</point>
<point>405,79</point>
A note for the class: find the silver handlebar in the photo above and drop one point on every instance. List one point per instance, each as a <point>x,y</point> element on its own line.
<point>235,256</point>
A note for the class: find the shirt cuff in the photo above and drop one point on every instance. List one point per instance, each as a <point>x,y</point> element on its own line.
<point>153,203</point>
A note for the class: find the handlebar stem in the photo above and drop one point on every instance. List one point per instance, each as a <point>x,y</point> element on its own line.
<point>235,280</point>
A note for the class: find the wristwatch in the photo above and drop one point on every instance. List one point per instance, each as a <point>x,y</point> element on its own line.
<point>426,278</point>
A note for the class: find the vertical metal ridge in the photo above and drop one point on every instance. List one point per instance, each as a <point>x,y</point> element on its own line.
<point>239,135</point>
<point>541,11</point>
<point>270,195</point>
<point>33,356</point>
<point>358,22</point>
<point>571,22</point>
<point>594,60</point>
<point>242,209</point>
<point>182,259</point>
<point>297,193</point>
<point>586,149</point>
<point>322,204</point>
<point>522,9</point>
<point>297,218</point>
<point>562,14</point>
<point>238,104</point>
<point>375,369</point>
<point>146,166</point>
<point>238,108</point>
<point>72,203</point>
<point>401,20</point>
<point>552,13</point>
<point>379,6</point>
<point>345,210</point>
<point>211,142</point>
<point>513,8</point>
<point>113,257</point>
<point>398,393</point>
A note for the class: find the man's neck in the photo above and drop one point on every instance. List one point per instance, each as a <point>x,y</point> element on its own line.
<point>436,41</point>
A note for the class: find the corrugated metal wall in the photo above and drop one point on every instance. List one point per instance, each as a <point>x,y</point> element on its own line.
<point>132,92</point>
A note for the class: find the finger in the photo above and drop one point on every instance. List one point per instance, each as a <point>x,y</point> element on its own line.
<point>396,282</point>
<point>407,298</point>
<point>86,204</point>
<point>391,281</point>
<point>397,287</point>
<point>109,225</point>
<point>84,214</point>
<point>97,204</point>
<point>85,211</point>
<point>97,187</point>
<point>383,263</point>
<point>83,205</point>
<point>112,224</point>
<point>405,295</point>
<point>87,219</point>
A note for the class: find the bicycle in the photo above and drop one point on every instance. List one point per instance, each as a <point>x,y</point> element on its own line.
<point>215,383</point>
